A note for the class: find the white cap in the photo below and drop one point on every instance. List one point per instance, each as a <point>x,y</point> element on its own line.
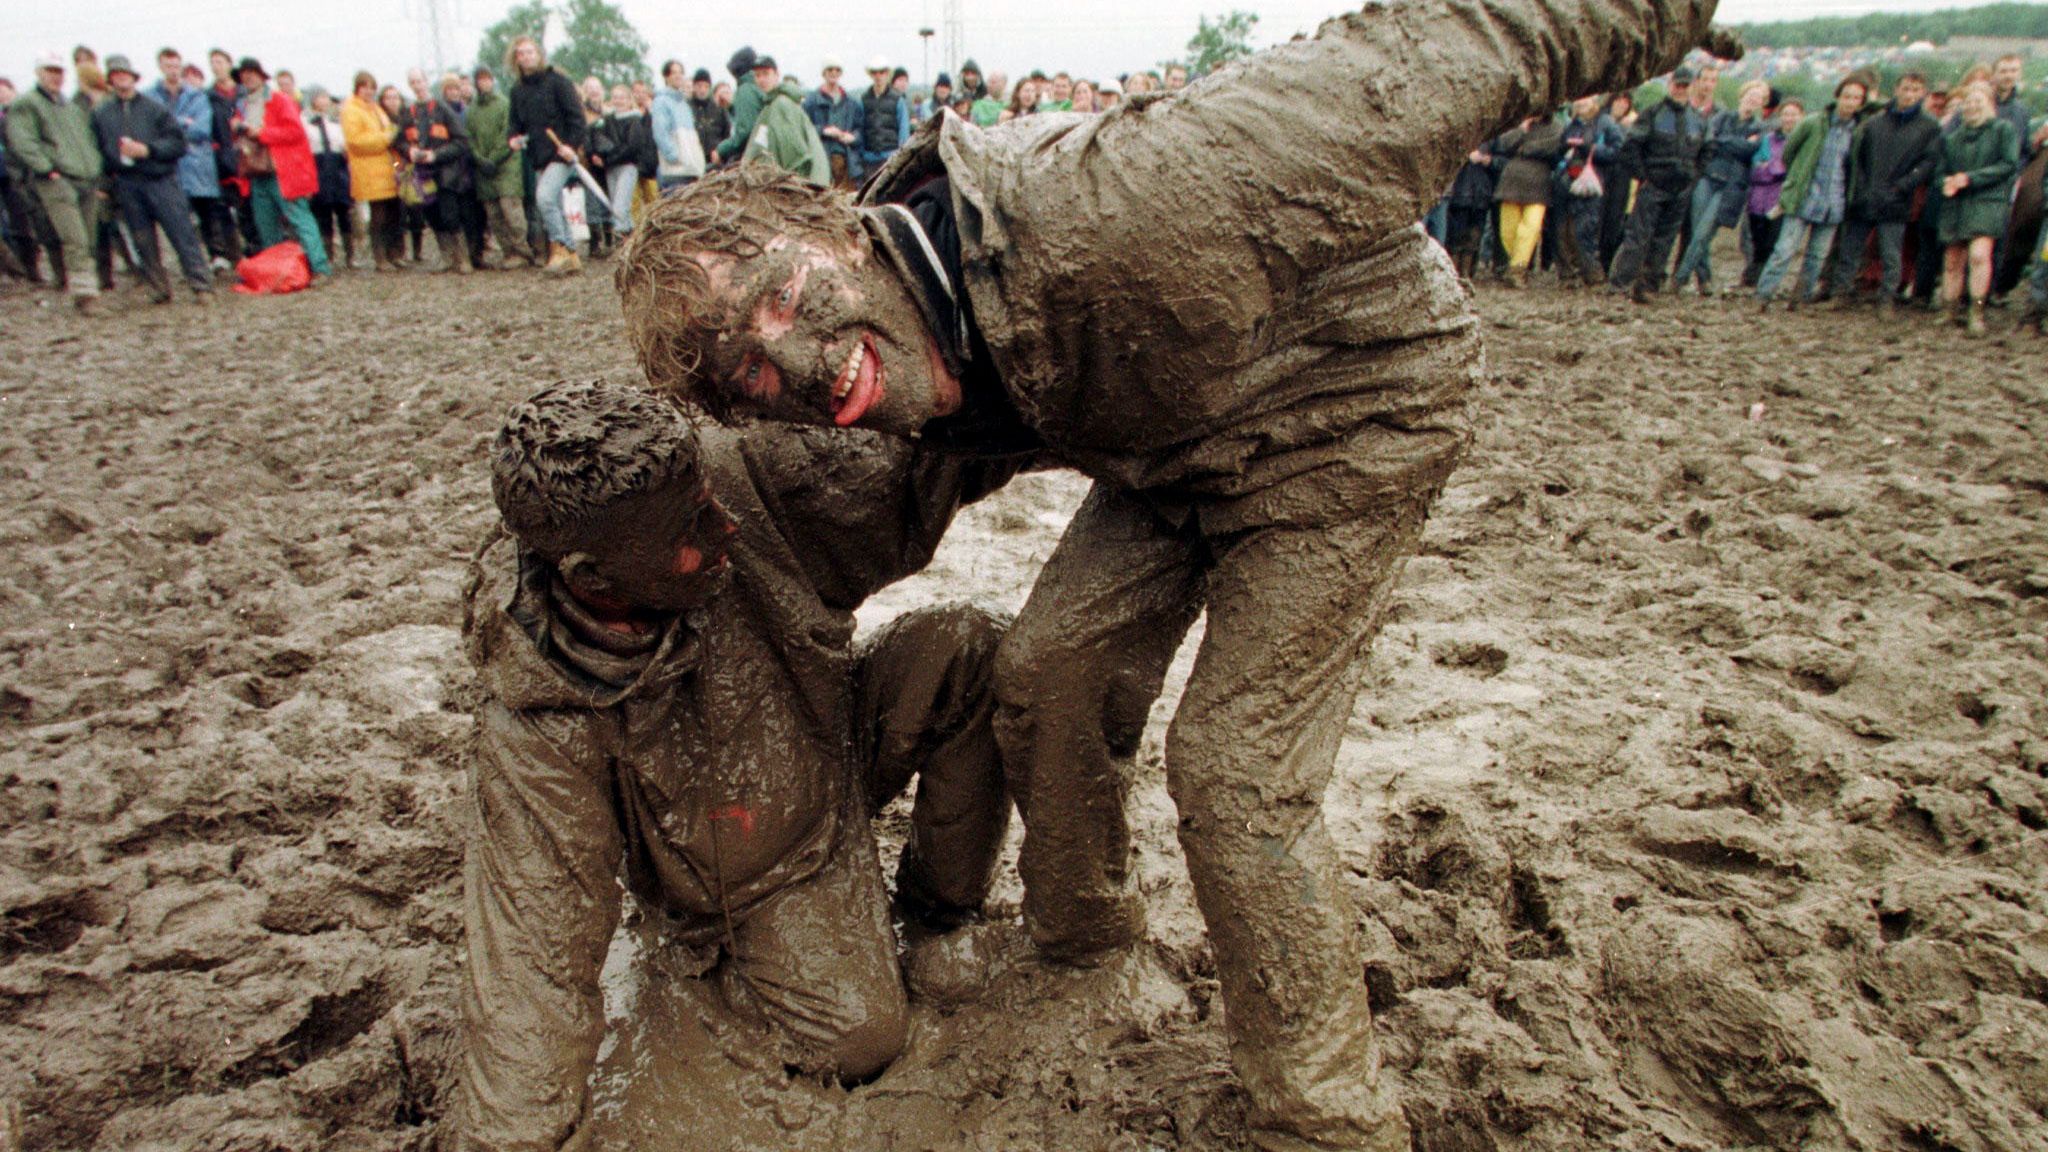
<point>51,60</point>
<point>1111,85</point>
<point>879,64</point>
<point>832,62</point>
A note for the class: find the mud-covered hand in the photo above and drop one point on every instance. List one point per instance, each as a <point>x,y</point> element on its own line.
<point>1724,42</point>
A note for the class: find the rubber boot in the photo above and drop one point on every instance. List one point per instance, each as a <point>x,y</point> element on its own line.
<point>462,259</point>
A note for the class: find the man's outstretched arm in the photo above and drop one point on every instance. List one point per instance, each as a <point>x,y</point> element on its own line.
<point>1359,129</point>
<point>540,903</point>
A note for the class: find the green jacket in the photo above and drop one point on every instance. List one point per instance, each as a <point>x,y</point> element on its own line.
<point>1802,157</point>
<point>987,111</point>
<point>45,135</point>
<point>784,133</point>
<point>1990,153</point>
<point>498,170</point>
<point>746,108</point>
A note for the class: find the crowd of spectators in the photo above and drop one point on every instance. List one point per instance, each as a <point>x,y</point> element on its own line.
<point>231,159</point>
<point>1908,193</point>
<point>1877,198</point>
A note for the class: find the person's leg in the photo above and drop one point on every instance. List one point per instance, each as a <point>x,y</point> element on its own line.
<point>64,204</point>
<point>1292,613</point>
<point>1791,235</point>
<point>818,961</point>
<point>266,207</point>
<point>620,183</point>
<point>1982,252</point>
<point>1075,680</point>
<point>1820,241</point>
<point>300,219</point>
<point>1629,258</point>
<point>1855,235</point>
<point>1526,233</point>
<point>1672,207</point>
<point>131,198</point>
<point>1705,208</point>
<point>174,213</point>
<point>554,180</point>
<point>924,698</point>
<point>1586,214</point>
<point>1891,248</point>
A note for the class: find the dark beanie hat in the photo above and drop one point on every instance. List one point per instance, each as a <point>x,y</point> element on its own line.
<point>944,80</point>
<point>703,75</point>
<point>742,62</point>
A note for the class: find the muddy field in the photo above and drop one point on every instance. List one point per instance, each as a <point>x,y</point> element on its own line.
<point>1698,792</point>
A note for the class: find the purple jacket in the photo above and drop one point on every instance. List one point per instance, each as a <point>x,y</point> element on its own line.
<point>1767,174</point>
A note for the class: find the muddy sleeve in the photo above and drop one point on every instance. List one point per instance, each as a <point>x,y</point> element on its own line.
<point>864,512</point>
<point>1403,92</point>
<point>540,904</point>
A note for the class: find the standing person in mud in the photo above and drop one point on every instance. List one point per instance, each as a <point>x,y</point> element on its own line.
<point>547,125</point>
<point>1663,150</point>
<point>1268,413</point>
<point>666,643</point>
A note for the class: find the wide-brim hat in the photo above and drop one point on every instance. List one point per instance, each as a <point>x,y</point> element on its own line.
<point>249,64</point>
<point>118,63</point>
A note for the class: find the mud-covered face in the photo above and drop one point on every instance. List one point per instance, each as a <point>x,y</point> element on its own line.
<point>663,550</point>
<point>824,336</point>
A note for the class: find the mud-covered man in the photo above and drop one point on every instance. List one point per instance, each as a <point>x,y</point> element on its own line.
<point>664,638</point>
<point>1219,305</point>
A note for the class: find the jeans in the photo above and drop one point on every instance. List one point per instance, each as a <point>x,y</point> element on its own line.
<point>1763,238</point>
<point>1708,197</point>
<point>1652,228</point>
<point>147,203</point>
<point>1793,233</point>
<point>619,185</point>
<point>547,195</point>
<point>1891,248</point>
<point>1579,237</point>
<point>1521,228</point>
<point>1438,222</point>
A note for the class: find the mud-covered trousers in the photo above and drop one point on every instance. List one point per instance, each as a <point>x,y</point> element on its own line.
<point>1646,243</point>
<point>1291,613</point>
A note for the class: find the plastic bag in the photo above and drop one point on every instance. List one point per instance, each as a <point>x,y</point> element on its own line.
<point>276,270</point>
<point>577,213</point>
<point>1586,184</point>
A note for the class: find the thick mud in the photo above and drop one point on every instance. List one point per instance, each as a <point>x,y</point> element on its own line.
<point>1698,788</point>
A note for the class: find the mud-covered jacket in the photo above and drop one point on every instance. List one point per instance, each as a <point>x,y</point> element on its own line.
<point>715,770</point>
<point>785,135</point>
<point>1289,346</point>
<point>1664,146</point>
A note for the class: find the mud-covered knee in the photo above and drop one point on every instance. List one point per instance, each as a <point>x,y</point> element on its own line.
<point>873,1043</point>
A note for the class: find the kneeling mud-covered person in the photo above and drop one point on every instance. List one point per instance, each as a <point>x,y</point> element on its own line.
<point>665,638</point>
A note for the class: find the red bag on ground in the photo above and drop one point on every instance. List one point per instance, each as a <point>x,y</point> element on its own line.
<point>274,271</point>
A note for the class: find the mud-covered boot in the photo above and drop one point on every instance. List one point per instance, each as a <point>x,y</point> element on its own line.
<point>1516,278</point>
<point>462,261</point>
<point>1973,321</point>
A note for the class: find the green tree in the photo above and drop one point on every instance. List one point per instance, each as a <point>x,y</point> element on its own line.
<point>528,19</point>
<point>602,43</point>
<point>1217,43</point>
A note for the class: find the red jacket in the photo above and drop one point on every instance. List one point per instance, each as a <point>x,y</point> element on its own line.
<point>285,136</point>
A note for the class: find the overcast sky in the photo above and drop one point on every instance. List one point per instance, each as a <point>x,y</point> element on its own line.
<point>325,41</point>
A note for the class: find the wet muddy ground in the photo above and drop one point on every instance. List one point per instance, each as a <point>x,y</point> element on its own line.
<point>1698,791</point>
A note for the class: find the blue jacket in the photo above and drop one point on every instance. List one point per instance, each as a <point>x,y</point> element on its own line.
<point>193,110</point>
<point>672,113</point>
<point>845,113</point>
<point>1731,145</point>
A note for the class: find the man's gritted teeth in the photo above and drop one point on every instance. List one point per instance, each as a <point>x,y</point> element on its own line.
<point>860,384</point>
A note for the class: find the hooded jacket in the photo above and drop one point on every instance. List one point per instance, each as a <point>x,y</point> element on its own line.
<point>498,171</point>
<point>715,769</point>
<point>784,134</point>
<point>283,133</point>
<point>1990,153</point>
<point>747,99</point>
<point>1303,355</point>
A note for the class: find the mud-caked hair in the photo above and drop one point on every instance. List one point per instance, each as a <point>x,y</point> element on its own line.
<point>666,294</point>
<point>575,448</point>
